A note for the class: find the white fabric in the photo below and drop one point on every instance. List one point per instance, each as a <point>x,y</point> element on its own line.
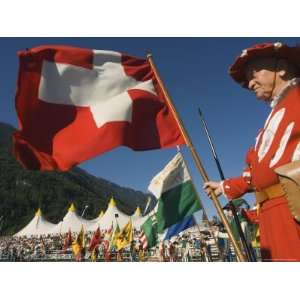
<point>37,226</point>
<point>257,140</point>
<point>282,145</point>
<point>94,224</point>
<point>72,222</point>
<point>283,91</point>
<point>104,89</point>
<point>138,221</point>
<point>296,154</point>
<point>109,218</point>
<point>269,133</point>
<point>173,174</point>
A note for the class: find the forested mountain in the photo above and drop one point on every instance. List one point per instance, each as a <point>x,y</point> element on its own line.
<point>23,191</point>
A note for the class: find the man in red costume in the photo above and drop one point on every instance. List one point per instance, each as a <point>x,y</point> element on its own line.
<point>271,71</point>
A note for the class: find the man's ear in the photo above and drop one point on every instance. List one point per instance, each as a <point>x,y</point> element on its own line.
<point>282,68</point>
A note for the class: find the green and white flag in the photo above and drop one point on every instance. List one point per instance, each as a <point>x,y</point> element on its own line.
<point>149,232</point>
<point>175,192</point>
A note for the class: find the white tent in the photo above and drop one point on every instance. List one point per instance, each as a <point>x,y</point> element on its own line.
<point>113,215</point>
<point>71,221</point>
<point>37,226</point>
<point>137,219</point>
<point>95,223</point>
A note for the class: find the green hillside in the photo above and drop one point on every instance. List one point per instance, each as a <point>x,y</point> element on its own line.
<point>23,191</point>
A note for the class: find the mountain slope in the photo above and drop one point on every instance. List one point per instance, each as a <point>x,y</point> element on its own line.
<point>23,191</point>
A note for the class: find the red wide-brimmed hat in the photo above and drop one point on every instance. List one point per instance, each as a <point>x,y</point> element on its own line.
<point>278,50</point>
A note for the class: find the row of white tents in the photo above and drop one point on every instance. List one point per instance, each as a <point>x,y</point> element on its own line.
<point>72,221</point>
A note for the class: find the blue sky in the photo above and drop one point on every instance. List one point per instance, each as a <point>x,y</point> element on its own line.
<point>195,71</point>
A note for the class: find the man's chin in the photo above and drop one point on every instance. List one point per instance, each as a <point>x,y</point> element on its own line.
<point>263,97</point>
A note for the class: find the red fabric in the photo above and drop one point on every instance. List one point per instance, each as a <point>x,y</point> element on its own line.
<point>235,187</point>
<point>107,254</point>
<point>251,215</point>
<point>68,240</point>
<point>59,137</point>
<point>279,232</point>
<point>237,70</point>
<point>262,175</point>
<point>95,241</point>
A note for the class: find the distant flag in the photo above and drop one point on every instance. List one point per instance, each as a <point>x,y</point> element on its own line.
<point>110,230</point>
<point>114,237</point>
<point>149,236</point>
<point>94,255</point>
<point>68,240</point>
<point>44,246</point>
<point>106,243</point>
<point>125,237</point>
<point>179,227</point>
<point>204,218</point>
<point>175,192</point>
<point>238,204</point>
<point>143,240</point>
<point>94,244</point>
<point>95,240</point>
<point>79,245</point>
<point>107,240</point>
<point>74,104</point>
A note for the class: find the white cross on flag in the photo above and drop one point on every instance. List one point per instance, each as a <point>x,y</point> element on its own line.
<point>74,104</point>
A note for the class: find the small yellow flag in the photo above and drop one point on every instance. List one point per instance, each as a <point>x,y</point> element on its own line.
<point>114,236</point>
<point>94,255</point>
<point>125,237</point>
<point>79,243</point>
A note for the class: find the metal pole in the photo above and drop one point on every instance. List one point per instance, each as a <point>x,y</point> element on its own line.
<point>84,210</point>
<point>247,249</point>
<point>147,205</point>
<point>197,161</point>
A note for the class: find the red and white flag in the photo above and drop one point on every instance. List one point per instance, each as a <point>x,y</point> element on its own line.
<point>95,240</point>
<point>74,104</point>
<point>143,240</point>
<point>68,241</point>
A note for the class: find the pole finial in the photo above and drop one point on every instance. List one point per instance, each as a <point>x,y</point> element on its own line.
<point>149,54</point>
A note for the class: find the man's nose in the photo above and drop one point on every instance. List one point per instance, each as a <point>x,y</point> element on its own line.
<point>251,84</point>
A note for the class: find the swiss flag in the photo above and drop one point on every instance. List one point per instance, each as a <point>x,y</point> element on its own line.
<point>74,104</point>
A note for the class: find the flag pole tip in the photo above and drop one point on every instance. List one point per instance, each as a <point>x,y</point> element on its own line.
<point>149,54</point>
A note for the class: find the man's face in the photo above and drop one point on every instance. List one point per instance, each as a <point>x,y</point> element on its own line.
<point>261,77</point>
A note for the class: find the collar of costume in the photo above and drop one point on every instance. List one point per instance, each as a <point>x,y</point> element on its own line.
<point>290,84</point>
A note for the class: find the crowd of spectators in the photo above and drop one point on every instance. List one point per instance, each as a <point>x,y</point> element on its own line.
<point>189,246</point>
<point>208,245</point>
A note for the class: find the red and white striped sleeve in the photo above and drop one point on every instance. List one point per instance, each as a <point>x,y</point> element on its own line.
<point>236,187</point>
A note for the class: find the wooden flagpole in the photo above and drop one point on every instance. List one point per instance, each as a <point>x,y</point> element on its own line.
<point>197,160</point>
